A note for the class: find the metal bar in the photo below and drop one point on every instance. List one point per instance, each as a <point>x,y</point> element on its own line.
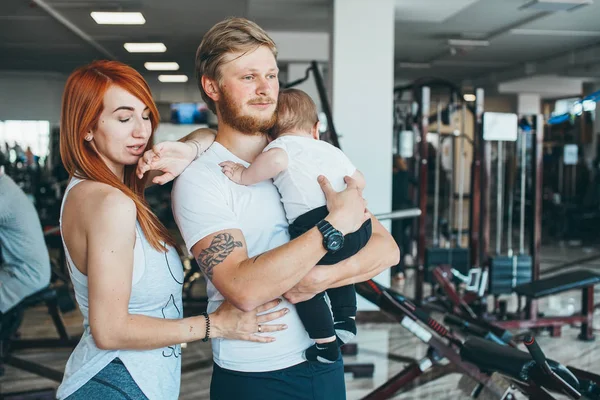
<point>474,207</point>
<point>73,28</point>
<point>577,262</point>
<point>451,181</point>
<point>536,205</point>
<point>484,153</point>
<point>540,322</point>
<point>561,169</point>
<point>436,196</point>
<point>299,81</point>
<point>499,197</point>
<point>511,200</point>
<point>333,136</point>
<point>574,180</point>
<point>587,311</point>
<point>424,114</point>
<point>395,383</point>
<point>34,368</point>
<point>461,176</point>
<point>399,214</point>
<point>523,188</point>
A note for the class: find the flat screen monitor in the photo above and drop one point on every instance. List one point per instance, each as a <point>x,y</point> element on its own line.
<point>189,113</point>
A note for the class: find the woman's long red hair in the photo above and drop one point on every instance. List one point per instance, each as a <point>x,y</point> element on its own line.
<point>82,104</point>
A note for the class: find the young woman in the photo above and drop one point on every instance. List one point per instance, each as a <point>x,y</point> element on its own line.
<point>126,273</point>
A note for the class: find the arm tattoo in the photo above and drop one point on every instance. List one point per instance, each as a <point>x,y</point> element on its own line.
<point>221,246</point>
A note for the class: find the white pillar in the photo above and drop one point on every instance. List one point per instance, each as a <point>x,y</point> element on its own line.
<point>362,72</point>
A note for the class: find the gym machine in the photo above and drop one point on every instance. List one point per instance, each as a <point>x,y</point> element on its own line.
<point>490,368</point>
<point>528,317</point>
<point>419,117</point>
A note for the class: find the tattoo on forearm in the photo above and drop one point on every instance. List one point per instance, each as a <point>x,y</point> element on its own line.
<point>221,246</point>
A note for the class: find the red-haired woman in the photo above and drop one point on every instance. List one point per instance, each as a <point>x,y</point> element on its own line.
<point>126,273</point>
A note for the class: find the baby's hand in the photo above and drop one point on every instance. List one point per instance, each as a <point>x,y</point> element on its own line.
<point>233,171</point>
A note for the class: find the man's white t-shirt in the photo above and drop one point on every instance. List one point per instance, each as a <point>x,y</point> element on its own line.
<point>205,201</point>
<point>307,159</point>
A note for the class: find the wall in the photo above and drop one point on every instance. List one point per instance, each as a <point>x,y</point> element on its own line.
<point>31,96</point>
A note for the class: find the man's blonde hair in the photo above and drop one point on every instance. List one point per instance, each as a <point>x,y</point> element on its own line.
<point>233,35</point>
<point>296,112</point>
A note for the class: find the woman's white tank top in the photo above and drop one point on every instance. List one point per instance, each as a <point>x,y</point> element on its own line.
<point>156,292</point>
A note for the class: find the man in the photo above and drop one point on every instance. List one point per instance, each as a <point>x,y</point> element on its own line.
<point>239,234</point>
<point>24,260</point>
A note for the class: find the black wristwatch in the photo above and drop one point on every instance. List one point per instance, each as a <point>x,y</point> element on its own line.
<point>333,240</point>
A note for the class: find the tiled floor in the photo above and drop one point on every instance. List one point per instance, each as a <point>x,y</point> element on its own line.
<point>378,343</point>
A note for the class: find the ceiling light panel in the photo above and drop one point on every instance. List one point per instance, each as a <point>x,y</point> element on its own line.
<point>173,78</point>
<point>145,47</point>
<point>161,66</point>
<point>118,18</point>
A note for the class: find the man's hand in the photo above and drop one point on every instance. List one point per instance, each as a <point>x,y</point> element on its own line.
<point>312,284</point>
<point>347,209</point>
<point>233,171</point>
<point>169,157</point>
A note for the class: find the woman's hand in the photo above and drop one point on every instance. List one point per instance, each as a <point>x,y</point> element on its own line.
<point>230,323</point>
<point>171,158</point>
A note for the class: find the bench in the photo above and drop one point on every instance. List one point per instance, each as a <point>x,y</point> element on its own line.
<point>579,279</point>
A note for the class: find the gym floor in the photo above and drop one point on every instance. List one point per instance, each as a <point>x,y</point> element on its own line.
<point>375,342</point>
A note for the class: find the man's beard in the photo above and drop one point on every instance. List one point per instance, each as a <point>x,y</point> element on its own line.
<point>231,115</point>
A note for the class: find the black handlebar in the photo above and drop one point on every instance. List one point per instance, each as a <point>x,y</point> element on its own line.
<point>536,353</point>
<point>540,359</point>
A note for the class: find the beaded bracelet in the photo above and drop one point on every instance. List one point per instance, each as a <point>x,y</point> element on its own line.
<point>207,334</point>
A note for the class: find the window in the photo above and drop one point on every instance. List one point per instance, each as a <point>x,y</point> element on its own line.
<point>33,134</point>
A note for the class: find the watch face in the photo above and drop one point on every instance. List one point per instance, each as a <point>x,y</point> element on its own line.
<point>335,242</point>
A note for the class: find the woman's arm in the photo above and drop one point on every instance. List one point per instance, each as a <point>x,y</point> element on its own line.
<point>266,166</point>
<point>167,160</point>
<point>110,243</point>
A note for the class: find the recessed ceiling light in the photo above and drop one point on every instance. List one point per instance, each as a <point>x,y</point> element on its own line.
<point>161,66</point>
<point>469,97</point>
<point>172,78</point>
<point>118,18</point>
<point>145,47</point>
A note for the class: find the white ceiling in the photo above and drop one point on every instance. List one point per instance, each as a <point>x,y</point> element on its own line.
<point>429,10</point>
<point>31,39</point>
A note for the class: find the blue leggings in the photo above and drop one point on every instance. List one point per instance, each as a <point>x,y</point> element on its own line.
<point>113,382</point>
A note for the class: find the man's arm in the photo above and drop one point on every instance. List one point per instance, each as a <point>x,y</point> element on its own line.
<point>266,166</point>
<point>380,253</point>
<point>246,282</point>
<point>223,258</point>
